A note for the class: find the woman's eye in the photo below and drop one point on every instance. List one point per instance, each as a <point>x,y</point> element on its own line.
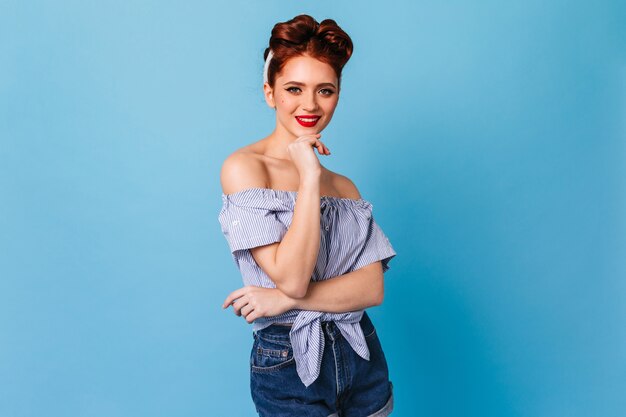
<point>328,92</point>
<point>292,88</point>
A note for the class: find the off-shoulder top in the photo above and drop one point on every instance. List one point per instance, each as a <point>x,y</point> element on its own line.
<point>350,239</point>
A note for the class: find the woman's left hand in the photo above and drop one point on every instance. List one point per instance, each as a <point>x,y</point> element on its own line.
<point>253,302</point>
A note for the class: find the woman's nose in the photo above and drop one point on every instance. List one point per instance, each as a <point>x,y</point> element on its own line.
<point>310,103</point>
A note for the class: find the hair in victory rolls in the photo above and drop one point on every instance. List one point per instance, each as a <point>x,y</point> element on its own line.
<point>303,35</point>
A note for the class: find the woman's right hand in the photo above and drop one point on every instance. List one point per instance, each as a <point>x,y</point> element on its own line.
<point>303,156</point>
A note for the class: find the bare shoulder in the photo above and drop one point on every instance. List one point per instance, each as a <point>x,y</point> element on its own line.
<point>344,185</point>
<point>241,170</point>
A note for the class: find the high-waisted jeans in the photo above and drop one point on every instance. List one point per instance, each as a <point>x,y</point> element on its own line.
<point>348,385</point>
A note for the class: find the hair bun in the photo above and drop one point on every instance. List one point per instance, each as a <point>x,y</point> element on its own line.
<point>335,38</point>
<point>303,35</point>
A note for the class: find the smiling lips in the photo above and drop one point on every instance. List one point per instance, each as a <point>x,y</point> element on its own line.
<point>308,120</point>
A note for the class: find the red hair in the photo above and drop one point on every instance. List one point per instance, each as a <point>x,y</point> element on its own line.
<point>303,35</point>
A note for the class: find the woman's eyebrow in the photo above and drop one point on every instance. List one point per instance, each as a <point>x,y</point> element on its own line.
<point>303,84</point>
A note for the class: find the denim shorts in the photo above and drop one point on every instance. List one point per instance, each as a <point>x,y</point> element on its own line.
<point>348,385</point>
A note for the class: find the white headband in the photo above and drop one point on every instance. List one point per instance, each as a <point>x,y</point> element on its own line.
<point>267,64</point>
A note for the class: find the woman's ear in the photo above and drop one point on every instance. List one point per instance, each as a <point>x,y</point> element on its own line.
<point>269,95</point>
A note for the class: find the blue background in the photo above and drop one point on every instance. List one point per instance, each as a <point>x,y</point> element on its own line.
<point>489,136</point>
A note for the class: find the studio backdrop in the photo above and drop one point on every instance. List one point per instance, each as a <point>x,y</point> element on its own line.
<point>489,136</point>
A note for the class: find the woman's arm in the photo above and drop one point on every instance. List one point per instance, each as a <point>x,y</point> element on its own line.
<point>353,291</point>
<point>290,262</point>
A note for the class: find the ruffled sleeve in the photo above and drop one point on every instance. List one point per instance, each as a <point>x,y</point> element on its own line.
<point>375,248</point>
<point>251,218</point>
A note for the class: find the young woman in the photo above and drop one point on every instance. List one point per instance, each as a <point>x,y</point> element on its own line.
<point>310,253</point>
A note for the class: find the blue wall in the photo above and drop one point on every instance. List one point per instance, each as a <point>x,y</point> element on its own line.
<point>490,137</point>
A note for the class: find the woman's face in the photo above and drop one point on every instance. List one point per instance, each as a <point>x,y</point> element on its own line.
<point>305,95</point>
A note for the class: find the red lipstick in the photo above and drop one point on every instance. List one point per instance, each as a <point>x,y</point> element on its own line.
<point>307,120</point>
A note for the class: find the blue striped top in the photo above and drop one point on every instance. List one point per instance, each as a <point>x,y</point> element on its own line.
<point>350,239</point>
